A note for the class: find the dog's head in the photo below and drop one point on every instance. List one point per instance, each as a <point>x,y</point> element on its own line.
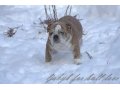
<point>59,32</point>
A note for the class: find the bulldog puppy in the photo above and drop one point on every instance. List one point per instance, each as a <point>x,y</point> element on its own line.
<point>65,33</point>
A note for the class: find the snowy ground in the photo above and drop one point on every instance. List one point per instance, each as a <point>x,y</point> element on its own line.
<point>22,56</point>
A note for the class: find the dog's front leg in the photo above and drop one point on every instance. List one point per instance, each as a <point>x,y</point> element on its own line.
<point>76,53</point>
<point>48,56</point>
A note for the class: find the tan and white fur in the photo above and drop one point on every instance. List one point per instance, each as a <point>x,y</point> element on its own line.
<point>65,33</point>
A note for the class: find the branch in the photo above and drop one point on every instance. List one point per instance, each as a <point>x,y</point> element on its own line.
<point>89,55</point>
<point>41,22</point>
<point>50,12</point>
<point>70,10</point>
<point>46,13</point>
<point>54,12</point>
<point>16,27</point>
<point>66,10</point>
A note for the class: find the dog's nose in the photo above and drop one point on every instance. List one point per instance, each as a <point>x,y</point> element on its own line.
<point>55,37</point>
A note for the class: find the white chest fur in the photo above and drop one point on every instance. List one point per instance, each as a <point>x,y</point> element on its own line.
<point>63,47</point>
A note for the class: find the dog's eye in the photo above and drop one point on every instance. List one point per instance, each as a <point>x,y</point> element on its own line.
<point>51,33</point>
<point>62,33</point>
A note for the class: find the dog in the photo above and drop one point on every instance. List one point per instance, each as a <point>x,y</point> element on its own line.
<point>65,33</point>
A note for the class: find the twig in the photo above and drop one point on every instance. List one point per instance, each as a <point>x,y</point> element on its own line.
<point>66,10</point>
<point>50,12</point>
<point>89,55</point>
<point>46,13</point>
<point>101,42</point>
<point>84,32</point>
<point>54,12</point>
<point>16,27</point>
<point>76,15</point>
<point>70,10</point>
<point>10,32</point>
<point>42,23</point>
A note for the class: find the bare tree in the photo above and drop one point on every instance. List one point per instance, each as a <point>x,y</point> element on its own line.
<point>69,8</point>
<point>54,12</point>
<point>51,14</point>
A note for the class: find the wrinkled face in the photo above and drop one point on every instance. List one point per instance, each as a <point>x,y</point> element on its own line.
<point>58,34</point>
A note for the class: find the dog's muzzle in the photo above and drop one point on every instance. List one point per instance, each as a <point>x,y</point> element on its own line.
<point>56,38</point>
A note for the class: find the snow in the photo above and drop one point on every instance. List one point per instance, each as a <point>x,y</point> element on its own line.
<point>22,57</point>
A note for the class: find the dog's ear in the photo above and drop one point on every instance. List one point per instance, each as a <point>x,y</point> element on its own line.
<point>68,26</point>
<point>49,24</point>
<point>49,27</point>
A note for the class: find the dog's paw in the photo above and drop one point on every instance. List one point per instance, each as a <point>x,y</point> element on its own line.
<point>77,61</point>
<point>47,60</point>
